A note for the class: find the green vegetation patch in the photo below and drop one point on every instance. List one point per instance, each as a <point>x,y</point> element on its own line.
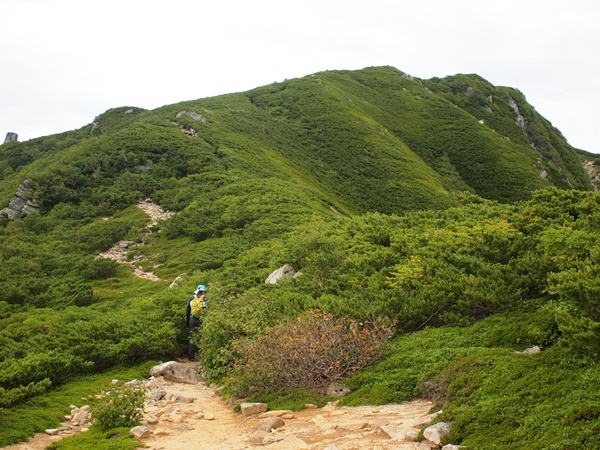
<point>39,413</point>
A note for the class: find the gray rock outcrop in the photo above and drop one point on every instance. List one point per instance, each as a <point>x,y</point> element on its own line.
<point>22,203</point>
<point>11,137</point>
<point>520,119</point>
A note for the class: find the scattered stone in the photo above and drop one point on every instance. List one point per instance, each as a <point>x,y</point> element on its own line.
<point>427,445</point>
<point>310,406</point>
<point>140,432</point>
<point>271,423</point>
<point>532,350</point>
<point>160,432</point>
<point>51,431</point>
<point>151,420</point>
<point>330,406</point>
<point>209,416</point>
<point>290,443</point>
<point>435,432</point>
<point>116,382</point>
<point>276,413</point>
<point>451,447</point>
<point>174,418</point>
<point>182,399</point>
<point>400,433</point>
<point>249,409</point>
<point>158,394</point>
<point>259,437</point>
<point>319,420</point>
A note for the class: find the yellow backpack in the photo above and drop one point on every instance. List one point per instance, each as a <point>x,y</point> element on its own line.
<point>196,306</point>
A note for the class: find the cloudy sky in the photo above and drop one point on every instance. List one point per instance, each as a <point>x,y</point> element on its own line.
<point>62,62</point>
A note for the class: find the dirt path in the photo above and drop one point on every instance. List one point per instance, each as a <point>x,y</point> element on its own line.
<point>196,417</point>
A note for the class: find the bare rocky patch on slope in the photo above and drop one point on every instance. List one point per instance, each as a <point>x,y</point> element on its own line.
<point>119,251</point>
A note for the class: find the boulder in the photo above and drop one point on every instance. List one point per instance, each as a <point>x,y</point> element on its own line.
<point>140,432</point>
<point>177,372</point>
<point>285,271</point>
<point>249,409</point>
<point>336,389</point>
<point>435,432</point>
<point>270,423</point>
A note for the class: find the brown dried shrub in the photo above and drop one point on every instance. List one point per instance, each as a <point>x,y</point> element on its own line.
<point>308,352</point>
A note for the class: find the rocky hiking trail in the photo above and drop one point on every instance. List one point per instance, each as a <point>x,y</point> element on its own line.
<point>180,415</point>
<point>119,251</point>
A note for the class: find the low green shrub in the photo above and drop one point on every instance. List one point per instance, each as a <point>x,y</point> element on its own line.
<point>119,407</point>
<point>95,439</point>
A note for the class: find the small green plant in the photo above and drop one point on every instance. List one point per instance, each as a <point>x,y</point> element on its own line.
<point>119,407</point>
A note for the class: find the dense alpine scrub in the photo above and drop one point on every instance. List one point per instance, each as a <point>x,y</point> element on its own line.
<point>483,281</point>
<point>353,178</point>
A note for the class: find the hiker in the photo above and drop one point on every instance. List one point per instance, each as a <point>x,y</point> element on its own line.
<point>195,305</point>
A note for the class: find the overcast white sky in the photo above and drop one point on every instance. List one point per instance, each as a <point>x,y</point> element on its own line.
<point>63,62</point>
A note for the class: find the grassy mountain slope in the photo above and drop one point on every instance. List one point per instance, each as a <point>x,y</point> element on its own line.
<point>371,182</point>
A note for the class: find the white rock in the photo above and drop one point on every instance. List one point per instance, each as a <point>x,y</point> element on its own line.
<point>140,432</point>
<point>435,432</point>
<point>248,409</point>
<point>177,372</point>
<point>284,271</point>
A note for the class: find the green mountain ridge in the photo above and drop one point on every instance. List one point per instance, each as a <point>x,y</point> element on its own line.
<point>449,207</point>
<point>376,139</point>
